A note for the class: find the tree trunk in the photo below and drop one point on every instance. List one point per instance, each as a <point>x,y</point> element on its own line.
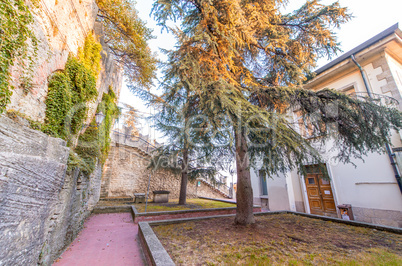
<point>184,178</point>
<point>244,195</point>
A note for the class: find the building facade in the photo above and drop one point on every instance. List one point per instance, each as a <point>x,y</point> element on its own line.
<point>374,69</point>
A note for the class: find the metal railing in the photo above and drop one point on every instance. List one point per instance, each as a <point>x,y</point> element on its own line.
<point>132,141</point>
<point>219,186</point>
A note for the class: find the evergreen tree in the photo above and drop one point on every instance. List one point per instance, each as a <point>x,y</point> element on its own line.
<point>248,62</point>
<point>189,150</point>
<point>126,36</point>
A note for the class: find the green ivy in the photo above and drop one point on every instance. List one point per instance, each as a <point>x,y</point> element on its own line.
<point>58,104</point>
<point>15,18</point>
<point>90,54</point>
<point>109,108</point>
<point>70,90</point>
<point>88,149</point>
<point>83,89</point>
<point>66,108</point>
<point>94,144</point>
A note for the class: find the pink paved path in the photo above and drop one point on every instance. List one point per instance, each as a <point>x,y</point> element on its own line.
<point>107,239</point>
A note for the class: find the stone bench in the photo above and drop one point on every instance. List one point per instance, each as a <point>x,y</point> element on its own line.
<point>139,197</point>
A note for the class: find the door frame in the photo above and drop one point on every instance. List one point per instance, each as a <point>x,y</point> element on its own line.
<point>333,188</point>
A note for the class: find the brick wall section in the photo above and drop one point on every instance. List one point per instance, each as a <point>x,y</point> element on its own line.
<point>126,173</point>
<point>60,27</point>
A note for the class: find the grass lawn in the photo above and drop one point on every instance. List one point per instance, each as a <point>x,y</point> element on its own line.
<point>172,205</point>
<point>281,239</point>
<point>191,204</point>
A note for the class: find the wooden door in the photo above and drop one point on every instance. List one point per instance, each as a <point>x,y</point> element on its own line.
<point>320,195</point>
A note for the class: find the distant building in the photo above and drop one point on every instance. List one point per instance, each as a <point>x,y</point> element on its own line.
<point>371,188</point>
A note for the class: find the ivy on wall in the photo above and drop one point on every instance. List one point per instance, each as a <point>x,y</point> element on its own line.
<point>66,108</point>
<point>16,37</point>
<point>90,55</point>
<point>70,90</point>
<point>94,144</point>
<point>108,107</point>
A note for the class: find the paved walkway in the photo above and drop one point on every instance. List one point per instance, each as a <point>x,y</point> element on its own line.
<point>107,239</point>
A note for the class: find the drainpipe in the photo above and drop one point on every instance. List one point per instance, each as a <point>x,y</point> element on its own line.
<point>363,76</point>
<point>387,146</point>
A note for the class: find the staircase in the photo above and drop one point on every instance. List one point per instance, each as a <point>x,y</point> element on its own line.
<point>223,193</point>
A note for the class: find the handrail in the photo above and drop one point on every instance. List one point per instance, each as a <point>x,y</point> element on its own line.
<point>219,186</point>
<point>136,139</point>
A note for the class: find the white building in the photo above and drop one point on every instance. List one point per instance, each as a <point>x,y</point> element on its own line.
<point>371,188</point>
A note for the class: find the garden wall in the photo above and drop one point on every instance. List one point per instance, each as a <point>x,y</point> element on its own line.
<point>126,173</point>
<point>42,205</point>
<point>32,171</point>
<point>60,27</point>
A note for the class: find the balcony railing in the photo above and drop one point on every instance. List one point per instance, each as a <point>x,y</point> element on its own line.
<point>133,141</point>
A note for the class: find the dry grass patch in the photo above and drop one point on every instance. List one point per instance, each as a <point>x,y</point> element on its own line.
<point>276,240</point>
<point>192,204</point>
<point>172,205</point>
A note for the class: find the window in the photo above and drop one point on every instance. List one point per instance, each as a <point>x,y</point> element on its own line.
<point>263,182</point>
<point>349,91</point>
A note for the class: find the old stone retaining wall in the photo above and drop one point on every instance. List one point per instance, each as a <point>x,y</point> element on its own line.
<point>61,28</point>
<point>42,207</point>
<point>75,202</point>
<point>126,173</point>
<point>32,170</point>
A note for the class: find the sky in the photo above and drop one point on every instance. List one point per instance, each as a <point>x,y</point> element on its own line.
<point>370,18</point>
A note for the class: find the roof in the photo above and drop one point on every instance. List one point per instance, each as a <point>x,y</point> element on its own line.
<point>391,30</point>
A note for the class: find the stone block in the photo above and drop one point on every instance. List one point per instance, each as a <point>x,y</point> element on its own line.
<point>161,196</point>
<point>139,197</point>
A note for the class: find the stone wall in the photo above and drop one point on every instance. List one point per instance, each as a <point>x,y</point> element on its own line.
<point>126,173</point>
<point>32,170</point>
<point>75,202</point>
<point>42,208</point>
<point>60,27</point>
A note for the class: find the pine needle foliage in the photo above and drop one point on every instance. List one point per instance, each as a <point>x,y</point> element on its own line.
<point>94,144</point>
<point>126,36</point>
<point>189,151</point>
<point>246,62</point>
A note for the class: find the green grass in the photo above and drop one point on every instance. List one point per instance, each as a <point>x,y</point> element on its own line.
<point>191,204</point>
